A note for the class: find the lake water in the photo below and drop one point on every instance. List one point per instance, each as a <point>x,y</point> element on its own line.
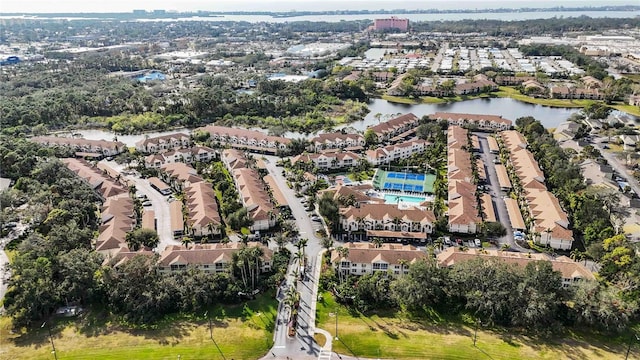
<point>509,16</point>
<point>509,109</point>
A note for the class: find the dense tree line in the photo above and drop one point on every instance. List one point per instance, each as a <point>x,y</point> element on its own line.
<point>495,292</point>
<point>551,26</point>
<point>80,92</point>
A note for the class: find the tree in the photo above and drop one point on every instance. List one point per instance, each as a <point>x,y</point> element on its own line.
<point>142,238</point>
<point>78,270</point>
<point>370,137</point>
<point>422,286</point>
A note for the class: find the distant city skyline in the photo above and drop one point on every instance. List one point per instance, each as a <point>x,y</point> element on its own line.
<point>77,6</point>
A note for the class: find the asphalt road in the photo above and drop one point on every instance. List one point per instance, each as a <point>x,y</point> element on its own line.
<point>502,215</point>
<point>303,344</point>
<point>160,206</point>
<point>618,165</point>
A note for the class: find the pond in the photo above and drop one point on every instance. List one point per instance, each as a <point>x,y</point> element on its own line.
<point>509,109</point>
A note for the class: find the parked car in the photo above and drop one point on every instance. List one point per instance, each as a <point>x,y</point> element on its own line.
<point>147,203</point>
<point>315,218</point>
<point>477,242</point>
<point>447,241</point>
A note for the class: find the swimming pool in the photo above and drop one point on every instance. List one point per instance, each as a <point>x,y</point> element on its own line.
<point>394,199</point>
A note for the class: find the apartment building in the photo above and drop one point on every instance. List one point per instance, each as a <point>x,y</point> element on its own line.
<point>391,23</point>
<point>337,141</point>
<point>329,161</point>
<point>485,122</point>
<point>210,258</point>
<point>391,153</point>
<point>185,155</point>
<point>246,139</point>
<point>98,147</point>
<point>388,221</point>
<point>103,185</point>
<point>572,272</point>
<point>541,211</point>
<point>234,159</point>
<point>255,198</point>
<point>179,175</point>
<point>118,218</point>
<point>464,211</point>
<point>366,258</point>
<point>386,130</point>
<point>163,143</point>
<point>202,209</point>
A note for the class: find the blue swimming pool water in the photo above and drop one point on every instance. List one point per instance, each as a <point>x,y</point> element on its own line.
<point>394,199</point>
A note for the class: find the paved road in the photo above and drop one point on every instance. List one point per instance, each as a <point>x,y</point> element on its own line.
<point>438,59</point>
<point>494,190</point>
<point>619,166</point>
<point>160,207</point>
<point>303,344</point>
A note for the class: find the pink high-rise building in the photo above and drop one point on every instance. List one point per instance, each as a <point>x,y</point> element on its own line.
<point>391,23</point>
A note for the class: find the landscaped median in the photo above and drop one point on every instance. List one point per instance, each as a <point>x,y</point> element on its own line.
<point>243,331</point>
<point>392,336</point>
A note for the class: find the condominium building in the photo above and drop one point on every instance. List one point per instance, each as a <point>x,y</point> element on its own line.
<point>366,258</point>
<point>337,141</point>
<point>485,122</point>
<point>210,258</point>
<point>391,153</point>
<point>100,147</point>
<point>163,143</point>
<point>246,139</point>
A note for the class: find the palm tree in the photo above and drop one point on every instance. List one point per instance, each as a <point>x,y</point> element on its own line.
<point>186,241</point>
<point>505,247</point>
<point>302,245</point>
<point>377,241</point>
<point>257,253</point>
<point>439,242</point>
<point>403,263</point>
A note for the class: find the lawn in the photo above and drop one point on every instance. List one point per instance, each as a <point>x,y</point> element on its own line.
<point>243,331</point>
<point>399,99</point>
<point>394,337</point>
<point>509,92</point>
<point>630,109</point>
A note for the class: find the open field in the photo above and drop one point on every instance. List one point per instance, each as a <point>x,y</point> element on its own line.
<point>402,338</point>
<point>242,331</point>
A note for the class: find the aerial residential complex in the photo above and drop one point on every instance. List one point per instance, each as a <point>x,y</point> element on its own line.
<point>542,213</point>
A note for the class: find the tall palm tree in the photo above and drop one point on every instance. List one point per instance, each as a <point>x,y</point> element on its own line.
<point>186,241</point>
<point>302,245</point>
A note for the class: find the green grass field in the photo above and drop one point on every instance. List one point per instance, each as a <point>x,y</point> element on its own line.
<point>243,331</point>
<point>393,337</point>
<point>509,92</point>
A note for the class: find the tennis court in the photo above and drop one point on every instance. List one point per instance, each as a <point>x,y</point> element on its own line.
<point>403,181</point>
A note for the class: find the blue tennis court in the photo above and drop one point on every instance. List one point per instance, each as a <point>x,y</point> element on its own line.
<point>404,181</point>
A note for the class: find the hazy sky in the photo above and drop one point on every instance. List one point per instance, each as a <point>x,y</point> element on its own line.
<point>34,6</point>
